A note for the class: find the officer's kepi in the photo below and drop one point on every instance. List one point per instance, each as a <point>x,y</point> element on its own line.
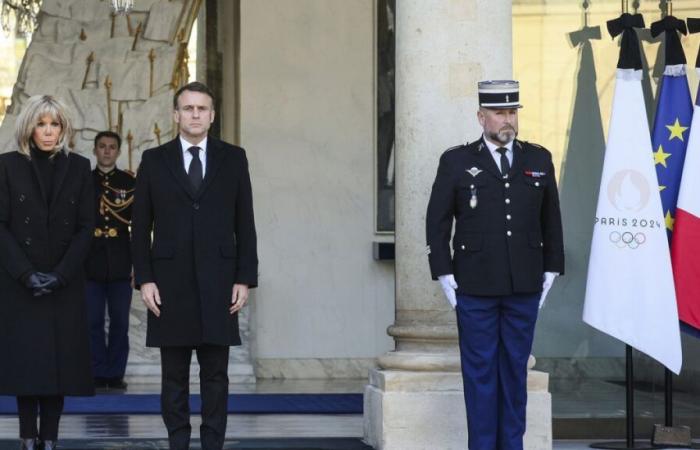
<point>499,94</point>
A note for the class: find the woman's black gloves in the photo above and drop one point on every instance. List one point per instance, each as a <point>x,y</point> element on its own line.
<point>42,283</point>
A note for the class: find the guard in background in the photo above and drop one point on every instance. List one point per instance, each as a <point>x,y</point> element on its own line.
<point>506,251</point>
<point>108,265</point>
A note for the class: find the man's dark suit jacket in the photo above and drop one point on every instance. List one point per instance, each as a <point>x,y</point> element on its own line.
<point>194,245</point>
<point>509,235</point>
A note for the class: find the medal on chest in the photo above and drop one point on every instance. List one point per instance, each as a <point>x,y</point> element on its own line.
<point>473,201</point>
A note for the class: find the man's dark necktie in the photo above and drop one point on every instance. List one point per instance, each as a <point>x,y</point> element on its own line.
<point>195,171</point>
<point>505,165</point>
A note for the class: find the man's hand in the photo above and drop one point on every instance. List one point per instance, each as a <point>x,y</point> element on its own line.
<point>449,285</point>
<point>151,297</point>
<point>238,298</point>
<point>547,281</point>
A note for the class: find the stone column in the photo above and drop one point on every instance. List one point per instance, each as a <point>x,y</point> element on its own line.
<point>415,400</point>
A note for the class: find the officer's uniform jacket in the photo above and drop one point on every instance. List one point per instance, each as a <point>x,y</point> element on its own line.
<point>508,230</point>
<point>110,253</point>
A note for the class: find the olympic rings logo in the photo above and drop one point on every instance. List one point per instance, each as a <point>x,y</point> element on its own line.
<point>627,239</point>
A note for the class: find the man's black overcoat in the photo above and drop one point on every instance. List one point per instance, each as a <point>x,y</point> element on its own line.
<point>194,245</point>
<point>44,347</point>
<point>509,234</point>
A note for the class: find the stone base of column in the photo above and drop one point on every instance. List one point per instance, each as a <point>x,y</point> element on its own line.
<point>411,410</point>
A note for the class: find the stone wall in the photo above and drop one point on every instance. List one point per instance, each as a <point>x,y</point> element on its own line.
<point>109,76</point>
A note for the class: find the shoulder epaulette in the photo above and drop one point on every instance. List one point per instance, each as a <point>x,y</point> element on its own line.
<point>456,147</point>
<point>533,144</point>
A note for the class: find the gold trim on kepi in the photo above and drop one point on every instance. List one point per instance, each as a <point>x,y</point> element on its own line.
<point>499,94</point>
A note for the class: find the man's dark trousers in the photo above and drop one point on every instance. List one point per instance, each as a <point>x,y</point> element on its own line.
<point>495,340</point>
<point>109,357</point>
<point>175,394</point>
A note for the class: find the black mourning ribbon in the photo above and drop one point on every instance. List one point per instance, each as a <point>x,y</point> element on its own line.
<point>671,26</point>
<point>195,170</point>
<point>630,54</point>
<point>694,27</point>
<point>505,165</point>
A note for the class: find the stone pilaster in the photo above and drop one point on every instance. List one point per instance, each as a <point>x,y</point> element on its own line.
<point>415,400</point>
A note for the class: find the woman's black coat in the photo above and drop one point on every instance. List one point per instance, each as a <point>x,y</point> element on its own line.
<point>44,347</point>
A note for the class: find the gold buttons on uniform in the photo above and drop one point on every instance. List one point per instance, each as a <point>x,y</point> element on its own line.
<point>507,201</point>
<point>508,217</point>
<point>509,233</point>
<point>507,185</point>
<point>106,233</point>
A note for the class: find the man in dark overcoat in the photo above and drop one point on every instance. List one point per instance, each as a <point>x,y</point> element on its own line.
<point>108,266</point>
<point>195,257</point>
<point>501,195</point>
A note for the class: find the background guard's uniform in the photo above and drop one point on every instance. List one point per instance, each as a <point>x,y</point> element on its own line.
<point>508,233</point>
<point>108,269</point>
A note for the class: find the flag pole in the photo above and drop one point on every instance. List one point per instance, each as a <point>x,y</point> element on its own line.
<point>630,58</point>
<point>668,398</point>
<point>673,90</point>
<point>629,442</point>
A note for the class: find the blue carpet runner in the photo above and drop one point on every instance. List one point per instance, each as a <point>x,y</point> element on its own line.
<point>237,444</point>
<point>237,404</point>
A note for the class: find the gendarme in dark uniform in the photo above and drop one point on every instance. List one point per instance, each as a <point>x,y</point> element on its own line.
<point>108,268</point>
<point>507,247</point>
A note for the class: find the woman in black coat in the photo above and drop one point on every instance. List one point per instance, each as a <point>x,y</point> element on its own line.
<point>46,226</point>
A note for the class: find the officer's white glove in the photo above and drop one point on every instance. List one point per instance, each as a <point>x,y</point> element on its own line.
<point>548,279</point>
<point>449,285</point>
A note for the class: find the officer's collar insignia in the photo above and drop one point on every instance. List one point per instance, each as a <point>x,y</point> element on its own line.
<point>427,250</point>
<point>533,174</point>
<point>481,146</point>
<point>519,145</point>
<point>474,171</point>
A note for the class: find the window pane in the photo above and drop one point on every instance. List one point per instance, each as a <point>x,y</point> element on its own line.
<point>565,61</point>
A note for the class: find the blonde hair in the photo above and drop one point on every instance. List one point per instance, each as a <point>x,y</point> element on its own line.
<point>34,109</point>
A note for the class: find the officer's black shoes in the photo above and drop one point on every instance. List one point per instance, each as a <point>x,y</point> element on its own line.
<point>116,383</point>
<point>28,444</point>
<point>100,383</point>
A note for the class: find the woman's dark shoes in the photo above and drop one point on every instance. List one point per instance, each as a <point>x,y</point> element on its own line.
<point>116,383</point>
<point>28,444</point>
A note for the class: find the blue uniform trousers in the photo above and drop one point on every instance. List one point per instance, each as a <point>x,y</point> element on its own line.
<point>109,353</point>
<point>495,340</point>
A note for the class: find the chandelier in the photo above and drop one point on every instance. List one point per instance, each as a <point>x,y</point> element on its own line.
<point>19,15</point>
<point>122,6</point>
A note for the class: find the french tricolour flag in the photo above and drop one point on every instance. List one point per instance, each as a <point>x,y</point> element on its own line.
<point>685,245</point>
